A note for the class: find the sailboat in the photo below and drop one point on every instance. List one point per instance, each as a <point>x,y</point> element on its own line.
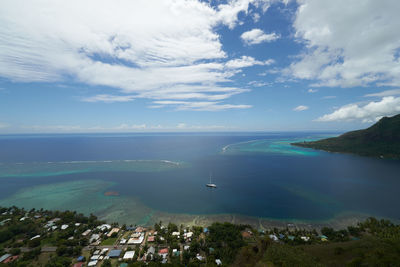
<point>211,184</point>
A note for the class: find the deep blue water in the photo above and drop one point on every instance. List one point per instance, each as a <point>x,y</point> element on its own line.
<point>279,184</point>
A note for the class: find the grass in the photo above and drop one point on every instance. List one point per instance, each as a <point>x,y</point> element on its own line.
<point>108,242</point>
<point>329,255</point>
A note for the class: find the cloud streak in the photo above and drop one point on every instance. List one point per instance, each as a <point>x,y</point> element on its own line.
<point>300,108</point>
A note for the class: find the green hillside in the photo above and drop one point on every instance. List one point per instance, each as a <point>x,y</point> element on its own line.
<point>380,140</point>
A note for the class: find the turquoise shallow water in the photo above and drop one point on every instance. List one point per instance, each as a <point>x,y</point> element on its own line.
<point>257,175</point>
<point>41,169</point>
<point>268,147</point>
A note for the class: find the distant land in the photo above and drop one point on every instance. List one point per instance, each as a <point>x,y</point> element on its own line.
<point>380,140</point>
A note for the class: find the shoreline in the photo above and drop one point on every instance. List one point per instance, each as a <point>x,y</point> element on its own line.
<point>151,217</point>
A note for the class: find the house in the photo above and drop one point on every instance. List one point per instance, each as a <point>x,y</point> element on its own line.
<point>64,226</point>
<point>77,224</point>
<point>151,250</point>
<point>122,241</point>
<point>175,252</point>
<point>79,264</point>
<point>273,237</point>
<point>114,230</point>
<point>135,239</point>
<point>104,227</point>
<point>36,236</point>
<point>199,257</point>
<point>140,229</point>
<point>188,235</point>
<point>305,238</point>
<point>246,234</point>
<point>186,247</point>
<point>218,262</point>
<point>96,252</point>
<point>205,230</point>
<point>80,258</point>
<point>176,234</point>
<point>92,263</point>
<point>290,237</point>
<point>94,238</point>
<point>4,257</point>
<point>11,259</point>
<point>86,232</point>
<point>114,253</point>
<point>94,257</point>
<point>163,252</point>
<point>104,251</point>
<point>150,239</point>
<point>129,255</point>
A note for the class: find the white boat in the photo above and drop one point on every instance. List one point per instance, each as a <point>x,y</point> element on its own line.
<point>211,184</point>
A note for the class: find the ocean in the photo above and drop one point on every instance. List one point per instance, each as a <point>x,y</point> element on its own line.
<point>140,178</point>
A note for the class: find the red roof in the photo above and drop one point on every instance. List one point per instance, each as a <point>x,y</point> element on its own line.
<point>150,239</point>
<point>10,259</point>
<point>163,251</point>
<point>79,264</point>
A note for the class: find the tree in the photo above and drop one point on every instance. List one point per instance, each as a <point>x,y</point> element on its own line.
<point>106,263</point>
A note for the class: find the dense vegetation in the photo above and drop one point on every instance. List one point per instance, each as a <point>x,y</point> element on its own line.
<point>369,243</point>
<point>380,140</point>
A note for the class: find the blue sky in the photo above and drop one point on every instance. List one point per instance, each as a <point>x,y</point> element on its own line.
<point>189,65</point>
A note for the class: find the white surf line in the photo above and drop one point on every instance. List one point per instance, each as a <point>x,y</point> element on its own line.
<point>244,142</point>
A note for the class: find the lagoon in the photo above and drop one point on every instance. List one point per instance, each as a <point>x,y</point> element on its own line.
<point>259,175</point>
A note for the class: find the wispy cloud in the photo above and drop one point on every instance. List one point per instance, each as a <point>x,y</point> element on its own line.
<point>123,127</point>
<point>385,93</point>
<point>259,83</point>
<point>312,91</point>
<point>329,97</point>
<point>109,98</point>
<point>369,112</point>
<point>142,48</point>
<point>246,61</point>
<point>257,36</point>
<point>198,106</point>
<point>300,108</point>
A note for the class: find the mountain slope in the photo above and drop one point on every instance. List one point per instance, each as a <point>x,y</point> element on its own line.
<point>380,140</point>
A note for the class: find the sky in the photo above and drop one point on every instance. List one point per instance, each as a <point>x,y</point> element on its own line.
<point>190,65</point>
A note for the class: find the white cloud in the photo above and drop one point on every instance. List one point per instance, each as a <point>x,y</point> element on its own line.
<point>312,90</point>
<point>228,13</point>
<point>109,98</point>
<point>329,97</point>
<point>373,111</point>
<point>246,61</point>
<point>256,17</point>
<point>259,83</point>
<point>257,36</point>
<point>385,93</point>
<point>300,108</point>
<point>143,48</point>
<point>198,106</point>
<point>348,44</point>
<point>124,127</point>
